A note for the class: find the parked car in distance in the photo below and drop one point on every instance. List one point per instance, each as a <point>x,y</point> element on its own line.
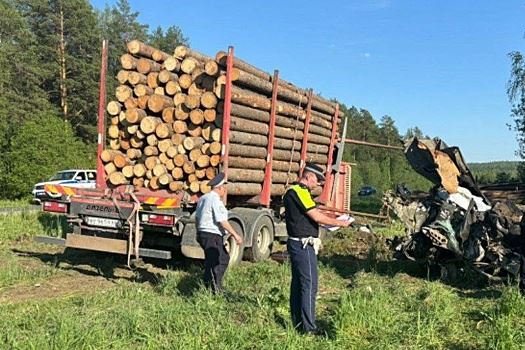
<point>79,178</point>
<point>366,191</point>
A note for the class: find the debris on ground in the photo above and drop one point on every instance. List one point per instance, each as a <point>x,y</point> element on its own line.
<point>455,224</point>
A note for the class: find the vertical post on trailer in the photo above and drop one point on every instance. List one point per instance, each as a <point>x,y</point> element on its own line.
<point>327,189</point>
<point>101,122</point>
<point>267,184</point>
<point>226,114</point>
<point>304,144</point>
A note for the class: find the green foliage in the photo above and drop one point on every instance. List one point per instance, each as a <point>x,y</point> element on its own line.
<point>39,148</point>
<point>167,40</point>
<point>496,172</point>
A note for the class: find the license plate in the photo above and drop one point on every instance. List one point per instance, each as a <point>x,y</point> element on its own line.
<point>112,223</point>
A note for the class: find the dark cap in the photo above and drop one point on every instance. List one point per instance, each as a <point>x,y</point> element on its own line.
<point>218,180</point>
<point>316,169</point>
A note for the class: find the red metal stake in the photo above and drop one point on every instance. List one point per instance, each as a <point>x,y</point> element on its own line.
<point>267,184</point>
<point>327,189</point>
<point>226,115</point>
<point>101,122</point>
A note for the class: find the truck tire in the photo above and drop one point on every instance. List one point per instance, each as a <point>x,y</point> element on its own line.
<point>262,240</point>
<point>232,247</point>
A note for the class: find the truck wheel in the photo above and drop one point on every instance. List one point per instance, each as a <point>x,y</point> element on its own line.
<point>232,247</point>
<point>262,240</point>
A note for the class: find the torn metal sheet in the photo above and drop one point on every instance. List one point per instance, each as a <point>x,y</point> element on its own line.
<point>455,223</point>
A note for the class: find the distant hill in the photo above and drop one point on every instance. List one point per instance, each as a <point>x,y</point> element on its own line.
<point>495,172</point>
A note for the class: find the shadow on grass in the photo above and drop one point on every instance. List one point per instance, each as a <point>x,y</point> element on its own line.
<point>53,223</point>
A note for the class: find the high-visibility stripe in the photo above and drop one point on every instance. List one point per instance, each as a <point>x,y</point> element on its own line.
<point>162,202</point>
<point>304,196</point>
<point>68,191</point>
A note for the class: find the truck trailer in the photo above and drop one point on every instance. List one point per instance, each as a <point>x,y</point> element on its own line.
<point>141,222</point>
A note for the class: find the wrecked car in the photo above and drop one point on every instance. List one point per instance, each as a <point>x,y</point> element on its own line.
<point>455,224</point>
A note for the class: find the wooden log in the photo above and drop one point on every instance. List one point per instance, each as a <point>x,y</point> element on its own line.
<point>142,102</point>
<point>215,148</point>
<point>114,108</point>
<point>194,186</point>
<point>136,141</point>
<point>172,151</point>
<point>177,173</point>
<point>153,80</point>
<point>204,187</point>
<point>195,90</point>
<point>252,189</point>
<point>188,167</point>
<point>132,129</point>
<point>154,183</point>
<point>180,159</point>
<point>163,158</point>
<point>128,62</point>
<point>139,170</point>
<point>142,90</point>
<point>138,48</point>
<point>108,155</point>
<point>177,139</point>
<point>159,91</point>
<point>180,126</point>
<point>208,100</point>
<point>192,101</point>
<point>114,144</point>
<point>194,154</point>
<point>167,115</point>
<point>255,163</point>
<point>172,64</point>
<point>200,173</point>
<point>150,162</point>
<point>123,92</point>
<point>182,51</point>
<point>110,168</point>
<point>172,88</point>
<point>136,78</point>
<point>151,151</point>
<point>152,139</point>
<point>253,175</point>
<point>113,131</point>
<point>138,182</point>
<point>203,161</point>
<point>197,116</point>
<point>210,114</point>
<point>211,172</point>
<point>165,179</point>
<point>176,186</point>
<point>157,103</point>
<point>179,98</point>
<point>211,68</point>
<point>165,76</point>
<point>164,130</point>
<point>124,144</point>
<point>159,169</point>
<point>189,64</point>
<point>193,142</point>
<point>164,145</point>
<point>194,130</point>
<point>159,56</point>
<point>122,76</point>
<point>130,103</point>
<point>149,124</point>
<point>127,171</point>
<point>133,153</point>
<point>185,81</point>
<point>244,138</point>
<point>215,160</point>
<point>170,165</point>
<point>262,116</point>
<point>135,115</point>
<point>117,178</point>
<point>145,66</point>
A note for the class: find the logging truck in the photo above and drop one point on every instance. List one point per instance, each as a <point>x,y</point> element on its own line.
<point>176,120</point>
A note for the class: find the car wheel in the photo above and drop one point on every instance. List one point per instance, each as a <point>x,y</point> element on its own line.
<point>262,240</point>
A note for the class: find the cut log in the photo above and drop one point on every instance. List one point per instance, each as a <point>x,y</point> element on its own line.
<point>194,154</point>
<point>256,163</point>
<point>211,172</point>
<point>124,144</point>
<point>165,179</point>
<point>193,142</point>
<point>208,100</point>
<point>177,139</point>
<point>179,98</point>
<point>167,114</point>
<point>185,81</point>
<point>177,173</point>
<point>172,88</point>
<point>110,168</point>
<point>164,145</point>
<point>130,103</point>
<point>149,124</point>
<point>142,102</point>
<point>150,162</point>
<point>216,135</point>
<point>153,80</point>
<point>145,66</point>
<point>182,51</point>
<point>139,170</point>
<point>127,171</point>
<point>215,160</point>
<point>138,48</point>
<point>252,189</point>
<point>210,114</point>
<point>189,64</point>
<point>157,103</point>
<point>194,130</point>
<point>211,68</point>
<point>159,55</point>
<point>122,76</point>
<point>136,78</point>
<point>188,167</point>
<point>108,155</point>
<point>200,173</point>
<point>132,129</point>
<point>117,178</point>
<point>204,187</point>
<point>170,165</point>
<point>195,90</point>
<point>215,148</point>
<point>192,101</point>
<point>128,62</point>
<point>164,130</point>
<point>172,151</point>
<point>133,153</point>
<point>180,159</point>
<point>194,186</point>
<point>138,182</point>
<point>180,126</point>
<point>113,131</point>
<point>114,108</point>
<point>135,141</point>
<point>176,186</point>
<point>142,90</point>
<point>159,169</point>
<point>151,151</point>
<point>197,116</point>
<point>135,115</point>
<point>114,144</point>
<point>159,91</point>
<point>252,175</point>
<point>165,76</point>
<point>203,161</point>
<point>172,64</point>
<point>123,92</point>
<point>152,139</point>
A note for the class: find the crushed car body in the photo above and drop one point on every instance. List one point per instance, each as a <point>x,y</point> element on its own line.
<point>455,223</point>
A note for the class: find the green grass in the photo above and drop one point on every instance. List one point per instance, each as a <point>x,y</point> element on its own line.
<point>20,203</point>
<point>366,301</point>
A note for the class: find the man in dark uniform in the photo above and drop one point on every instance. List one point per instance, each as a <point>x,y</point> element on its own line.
<point>302,224</point>
<point>212,225</point>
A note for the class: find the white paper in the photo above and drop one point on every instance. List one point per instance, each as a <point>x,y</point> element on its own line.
<point>344,217</point>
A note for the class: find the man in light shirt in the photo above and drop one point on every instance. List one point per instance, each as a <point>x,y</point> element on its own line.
<point>212,226</point>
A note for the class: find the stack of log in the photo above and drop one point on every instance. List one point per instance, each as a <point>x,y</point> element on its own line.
<point>166,120</point>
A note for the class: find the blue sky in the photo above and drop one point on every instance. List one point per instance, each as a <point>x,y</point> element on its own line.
<point>440,65</point>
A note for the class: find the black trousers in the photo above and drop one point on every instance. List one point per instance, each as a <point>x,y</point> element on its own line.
<point>303,289</point>
<point>216,259</point>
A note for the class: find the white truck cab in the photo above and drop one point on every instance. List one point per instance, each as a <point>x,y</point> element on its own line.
<point>78,178</point>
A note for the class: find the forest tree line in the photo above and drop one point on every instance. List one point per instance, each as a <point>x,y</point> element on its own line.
<point>50,57</point>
